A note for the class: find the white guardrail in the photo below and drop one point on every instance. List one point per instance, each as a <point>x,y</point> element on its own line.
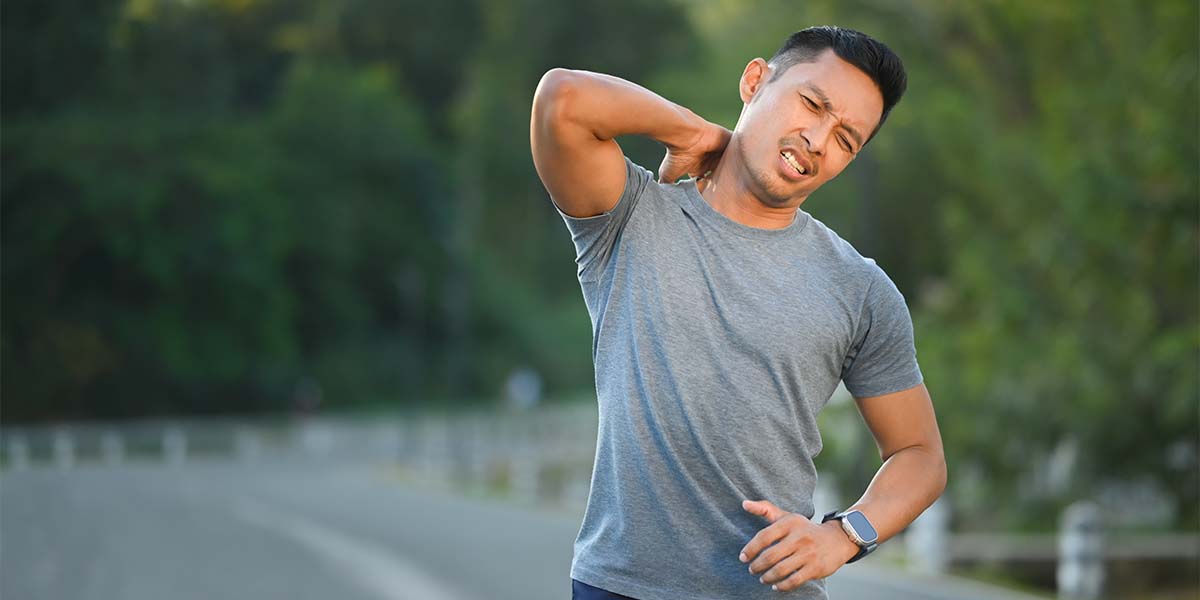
<point>541,454</point>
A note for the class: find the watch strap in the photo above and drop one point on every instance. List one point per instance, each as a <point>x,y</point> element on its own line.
<point>862,550</point>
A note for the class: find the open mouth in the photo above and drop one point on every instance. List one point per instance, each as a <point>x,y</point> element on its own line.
<point>792,166</point>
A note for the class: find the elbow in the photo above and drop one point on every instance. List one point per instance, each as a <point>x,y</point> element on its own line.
<point>554,93</point>
<point>555,78</point>
<point>945,477</point>
<point>940,471</point>
<point>937,462</point>
<point>559,78</point>
<point>933,464</point>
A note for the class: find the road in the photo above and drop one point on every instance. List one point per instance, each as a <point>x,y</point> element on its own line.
<point>202,531</point>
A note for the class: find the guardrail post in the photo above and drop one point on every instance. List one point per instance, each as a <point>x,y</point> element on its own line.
<point>431,462</point>
<point>480,450</point>
<point>174,446</point>
<point>316,440</point>
<point>246,445</point>
<point>385,442</point>
<point>112,448</point>
<point>18,453</point>
<point>64,449</point>
<point>525,475</point>
<point>925,541</point>
<point>825,497</point>
<point>1081,552</point>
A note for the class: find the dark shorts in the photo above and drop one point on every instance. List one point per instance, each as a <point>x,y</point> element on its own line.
<point>583,591</point>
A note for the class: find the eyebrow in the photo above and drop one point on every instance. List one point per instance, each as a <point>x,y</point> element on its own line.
<point>820,94</point>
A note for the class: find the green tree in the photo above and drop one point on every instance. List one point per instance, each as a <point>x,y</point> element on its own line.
<point>1066,139</point>
<point>513,263</point>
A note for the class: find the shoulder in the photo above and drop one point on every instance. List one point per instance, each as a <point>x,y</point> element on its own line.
<point>842,256</point>
<point>861,280</point>
<point>652,193</point>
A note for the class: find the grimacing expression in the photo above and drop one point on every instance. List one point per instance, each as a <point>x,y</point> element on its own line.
<point>820,112</point>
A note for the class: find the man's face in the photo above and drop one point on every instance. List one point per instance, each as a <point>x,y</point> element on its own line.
<point>820,113</point>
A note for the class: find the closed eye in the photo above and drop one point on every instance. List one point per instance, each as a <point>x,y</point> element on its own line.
<point>816,108</point>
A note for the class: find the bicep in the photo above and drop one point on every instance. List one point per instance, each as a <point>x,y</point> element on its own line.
<point>583,174</point>
<point>902,419</point>
<point>883,356</point>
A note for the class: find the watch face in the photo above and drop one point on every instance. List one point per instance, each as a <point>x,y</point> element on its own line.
<point>862,526</point>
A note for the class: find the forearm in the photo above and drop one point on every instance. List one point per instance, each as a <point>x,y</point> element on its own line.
<point>609,106</point>
<point>908,482</point>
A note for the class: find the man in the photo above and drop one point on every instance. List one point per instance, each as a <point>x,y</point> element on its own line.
<point>723,319</point>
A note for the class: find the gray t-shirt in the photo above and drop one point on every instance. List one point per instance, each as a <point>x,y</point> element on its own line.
<point>715,346</point>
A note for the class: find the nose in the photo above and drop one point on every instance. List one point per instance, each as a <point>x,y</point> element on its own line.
<point>817,135</point>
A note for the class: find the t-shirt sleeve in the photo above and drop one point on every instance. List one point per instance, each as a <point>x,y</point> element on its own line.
<point>883,357</point>
<point>596,237</point>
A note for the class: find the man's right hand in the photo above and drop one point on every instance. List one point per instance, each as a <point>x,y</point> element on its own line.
<point>575,119</point>
<point>698,158</point>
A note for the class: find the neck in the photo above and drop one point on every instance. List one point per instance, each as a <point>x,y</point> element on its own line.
<point>728,191</point>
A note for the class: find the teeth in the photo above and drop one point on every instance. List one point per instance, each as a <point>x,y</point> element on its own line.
<point>792,161</point>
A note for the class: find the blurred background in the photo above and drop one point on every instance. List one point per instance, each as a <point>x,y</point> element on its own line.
<point>287,312</point>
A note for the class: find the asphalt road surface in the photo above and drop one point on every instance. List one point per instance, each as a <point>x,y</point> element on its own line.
<point>204,531</point>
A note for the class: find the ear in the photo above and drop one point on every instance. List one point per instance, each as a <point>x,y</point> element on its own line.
<point>754,77</point>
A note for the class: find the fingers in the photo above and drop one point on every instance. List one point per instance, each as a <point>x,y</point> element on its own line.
<point>799,577</point>
<point>672,176</point>
<point>768,559</point>
<point>675,166</point>
<point>781,552</point>
<point>782,569</point>
<point>710,164</point>
<point>763,508</point>
<point>758,544</point>
<point>726,135</point>
<point>668,171</point>
<point>715,138</point>
<point>784,547</point>
<point>767,536</point>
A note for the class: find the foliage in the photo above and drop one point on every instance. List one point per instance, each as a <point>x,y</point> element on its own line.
<point>210,205</point>
<point>1035,196</point>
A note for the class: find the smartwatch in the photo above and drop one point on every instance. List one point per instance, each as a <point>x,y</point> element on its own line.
<point>856,525</point>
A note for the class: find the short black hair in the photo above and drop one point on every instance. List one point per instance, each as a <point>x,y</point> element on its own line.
<point>855,47</point>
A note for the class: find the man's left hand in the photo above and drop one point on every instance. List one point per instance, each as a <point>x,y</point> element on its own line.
<point>802,550</point>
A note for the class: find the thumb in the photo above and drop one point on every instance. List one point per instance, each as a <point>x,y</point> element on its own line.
<point>669,171</point>
<point>763,508</point>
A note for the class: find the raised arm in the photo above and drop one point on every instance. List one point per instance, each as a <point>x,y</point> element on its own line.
<point>576,115</point>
